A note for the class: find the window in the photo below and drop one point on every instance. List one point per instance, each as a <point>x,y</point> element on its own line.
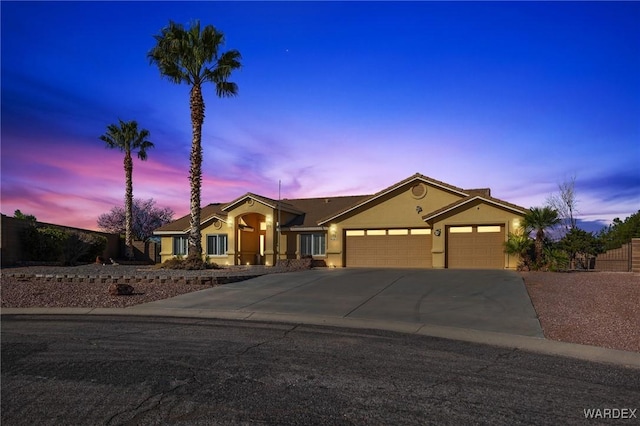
<point>217,245</point>
<point>313,244</point>
<point>460,229</point>
<point>180,246</point>
<point>421,231</point>
<point>488,229</point>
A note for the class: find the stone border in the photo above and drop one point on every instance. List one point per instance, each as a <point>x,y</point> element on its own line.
<point>134,279</point>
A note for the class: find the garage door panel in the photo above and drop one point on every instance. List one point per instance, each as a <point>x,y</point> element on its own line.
<point>389,251</point>
<point>475,250</point>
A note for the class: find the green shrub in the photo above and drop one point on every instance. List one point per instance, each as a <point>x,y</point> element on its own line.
<point>51,244</point>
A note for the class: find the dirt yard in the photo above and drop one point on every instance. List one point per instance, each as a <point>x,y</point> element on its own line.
<point>592,308</point>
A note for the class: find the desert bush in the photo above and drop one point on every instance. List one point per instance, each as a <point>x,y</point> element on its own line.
<point>191,264</point>
<point>81,247</point>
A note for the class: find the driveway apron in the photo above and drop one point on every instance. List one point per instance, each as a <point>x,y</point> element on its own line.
<point>488,300</point>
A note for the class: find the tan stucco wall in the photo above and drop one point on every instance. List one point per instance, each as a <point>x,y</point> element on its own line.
<point>213,227</point>
<point>397,209</point>
<point>477,213</point>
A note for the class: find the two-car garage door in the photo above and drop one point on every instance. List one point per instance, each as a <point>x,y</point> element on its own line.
<point>389,248</point>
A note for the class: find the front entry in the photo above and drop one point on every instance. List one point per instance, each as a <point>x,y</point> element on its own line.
<point>251,239</point>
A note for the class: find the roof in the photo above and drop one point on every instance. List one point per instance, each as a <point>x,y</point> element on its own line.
<point>317,208</point>
<point>269,202</point>
<point>415,177</point>
<point>314,213</point>
<point>466,200</point>
<point>183,224</point>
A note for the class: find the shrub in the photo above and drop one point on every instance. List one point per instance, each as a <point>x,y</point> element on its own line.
<point>191,264</point>
<point>51,244</point>
<point>81,247</point>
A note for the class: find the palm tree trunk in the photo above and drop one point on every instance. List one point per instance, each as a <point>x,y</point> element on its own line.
<point>539,243</point>
<point>196,105</point>
<point>128,204</point>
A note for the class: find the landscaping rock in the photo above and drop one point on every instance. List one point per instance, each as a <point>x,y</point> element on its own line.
<point>120,290</point>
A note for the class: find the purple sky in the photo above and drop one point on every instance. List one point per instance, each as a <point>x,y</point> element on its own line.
<point>334,99</point>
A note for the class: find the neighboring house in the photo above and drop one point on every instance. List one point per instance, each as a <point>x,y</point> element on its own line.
<point>418,222</point>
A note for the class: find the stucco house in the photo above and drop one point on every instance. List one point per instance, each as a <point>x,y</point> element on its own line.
<point>418,222</point>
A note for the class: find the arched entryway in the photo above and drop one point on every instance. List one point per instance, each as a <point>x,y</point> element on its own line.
<point>251,238</point>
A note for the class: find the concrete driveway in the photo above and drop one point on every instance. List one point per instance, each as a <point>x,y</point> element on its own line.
<point>495,301</point>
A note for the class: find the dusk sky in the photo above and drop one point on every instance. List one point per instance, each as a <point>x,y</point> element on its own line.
<point>334,99</point>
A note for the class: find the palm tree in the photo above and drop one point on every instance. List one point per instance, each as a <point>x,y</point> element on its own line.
<point>127,138</point>
<point>193,56</point>
<point>539,220</point>
<point>519,244</point>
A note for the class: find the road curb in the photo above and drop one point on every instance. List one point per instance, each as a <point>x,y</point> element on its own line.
<point>527,343</point>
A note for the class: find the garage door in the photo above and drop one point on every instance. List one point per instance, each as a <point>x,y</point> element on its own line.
<point>475,247</point>
<point>395,248</point>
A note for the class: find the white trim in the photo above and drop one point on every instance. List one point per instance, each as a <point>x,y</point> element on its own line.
<point>171,232</point>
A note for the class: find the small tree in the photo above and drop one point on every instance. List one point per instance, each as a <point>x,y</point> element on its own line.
<point>520,245</point>
<point>538,220</point>
<point>147,217</point>
<point>620,232</point>
<point>28,217</point>
<point>580,246</point>
<point>565,203</point>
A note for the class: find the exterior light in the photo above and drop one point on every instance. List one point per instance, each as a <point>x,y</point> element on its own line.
<point>437,232</point>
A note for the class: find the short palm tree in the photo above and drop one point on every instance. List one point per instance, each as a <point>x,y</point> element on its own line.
<point>126,137</point>
<point>519,244</point>
<point>538,220</point>
<point>193,56</point>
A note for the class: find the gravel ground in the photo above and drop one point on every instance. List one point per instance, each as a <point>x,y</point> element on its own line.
<point>593,308</point>
<point>38,286</point>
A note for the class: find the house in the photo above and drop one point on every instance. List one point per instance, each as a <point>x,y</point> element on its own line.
<point>418,222</point>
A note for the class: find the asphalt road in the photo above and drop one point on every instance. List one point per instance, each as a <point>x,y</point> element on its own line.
<point>89,370</point>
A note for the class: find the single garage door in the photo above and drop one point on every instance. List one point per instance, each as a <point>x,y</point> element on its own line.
<point>475,247</point>
<point>395,248</point>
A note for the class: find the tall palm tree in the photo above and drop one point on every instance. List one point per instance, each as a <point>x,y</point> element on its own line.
<point>539,220</point>
<point>127,138</point>
<point>193,56</point>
